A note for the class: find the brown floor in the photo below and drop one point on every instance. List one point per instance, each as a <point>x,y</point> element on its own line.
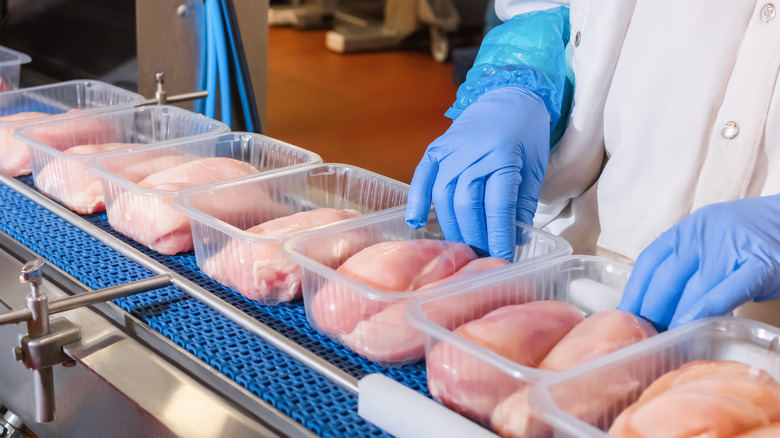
<point>378,110</point>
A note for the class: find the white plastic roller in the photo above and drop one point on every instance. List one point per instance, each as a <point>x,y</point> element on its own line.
<point>405,413</point>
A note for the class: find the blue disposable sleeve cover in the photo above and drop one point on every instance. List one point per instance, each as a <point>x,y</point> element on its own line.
<point>527,51</point>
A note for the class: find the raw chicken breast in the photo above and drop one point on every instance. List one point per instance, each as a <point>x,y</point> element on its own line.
<point>151,221</point>
<point>471,268</point>
<point>387,337</point>
<point>197,172</point>
<point>398,266</point>
<point>138,165</point>
<point>284,226</point>
<point>691,414</point>
<point>452,312</point>
<point>596,336</point>
<point>69,183</point>
<point>522,333</point>
<point>712,399</point>
<point>15,154</point>
<point>15,158</point>
<point>512,418</point>
<point>257,270</point>
<point>771,431</point>
<point>689,372</point>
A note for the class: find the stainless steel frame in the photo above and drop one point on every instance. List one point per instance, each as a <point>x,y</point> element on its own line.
<point>118,387</point>
<point>205,376</point>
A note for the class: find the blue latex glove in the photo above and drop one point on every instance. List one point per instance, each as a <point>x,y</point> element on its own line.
<point>715,259</point>
<point>485,172</point>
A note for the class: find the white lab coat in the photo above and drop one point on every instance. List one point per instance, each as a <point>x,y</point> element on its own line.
<point>649,139</point>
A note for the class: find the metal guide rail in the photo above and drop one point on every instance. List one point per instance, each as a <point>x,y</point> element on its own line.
<point>266,352</point>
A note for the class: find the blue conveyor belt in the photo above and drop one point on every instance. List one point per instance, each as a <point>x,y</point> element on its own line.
<point>294,389</point>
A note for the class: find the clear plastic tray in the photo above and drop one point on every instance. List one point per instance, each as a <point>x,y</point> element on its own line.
<point>584,401</point>
<point>592,284</point>
<point>146,214</point>
<point>62,176</point>
<point>251,263</point>
<point>50,103</point>
<point>10,64</point>
<point>355,301</point>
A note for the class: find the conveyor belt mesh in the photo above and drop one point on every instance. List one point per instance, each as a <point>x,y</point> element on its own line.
<point>311,399</point>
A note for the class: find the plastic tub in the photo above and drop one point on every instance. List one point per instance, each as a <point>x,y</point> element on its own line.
<point>50,103</point>
<point>146,215</point>
<point>585,400</point>
<point>59,172</point>
<point>252,264</point>
<point>592,284</point>
<point>347,310</point>
<point>10,64</point>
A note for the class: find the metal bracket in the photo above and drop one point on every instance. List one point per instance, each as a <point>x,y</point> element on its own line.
<point>41,347</point>
<point>11,426</point>
<point>161,96</point>
<point>46,351</point>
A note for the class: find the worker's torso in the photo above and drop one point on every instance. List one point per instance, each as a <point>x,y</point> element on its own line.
<point>676,106</point>
<point>681,99</point>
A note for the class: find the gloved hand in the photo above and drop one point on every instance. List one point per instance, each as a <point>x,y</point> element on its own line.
<point>485,172</point>
<point>715,259</point>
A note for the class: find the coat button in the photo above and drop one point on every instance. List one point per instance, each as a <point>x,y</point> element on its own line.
<point>577,39</point>
<point>730,130</point>
<point>768,12</point>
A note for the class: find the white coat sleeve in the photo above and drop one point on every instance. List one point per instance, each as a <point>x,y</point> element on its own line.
<point>506,9</point>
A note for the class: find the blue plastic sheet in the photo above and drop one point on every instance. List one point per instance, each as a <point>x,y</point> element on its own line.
<point>527,51</point>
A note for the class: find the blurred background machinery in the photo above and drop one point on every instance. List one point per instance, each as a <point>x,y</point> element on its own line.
<point>127,42</point>
<point>361,25</point>
<point>315,97</point>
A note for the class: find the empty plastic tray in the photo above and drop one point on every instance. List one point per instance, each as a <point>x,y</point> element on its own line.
<point>58,167</point>
<point>368,320</point>
<point>584,401</point>
<point>29,106</point>
<point>144,212</point>
<point>252,263</point>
